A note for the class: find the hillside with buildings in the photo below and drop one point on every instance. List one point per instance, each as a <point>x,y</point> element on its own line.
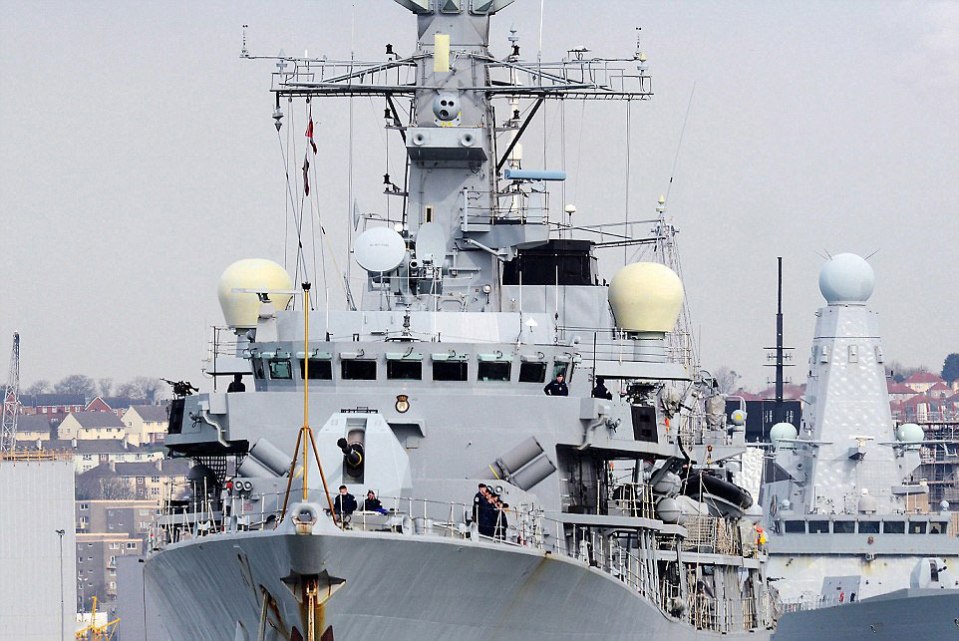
<point>121,471</point>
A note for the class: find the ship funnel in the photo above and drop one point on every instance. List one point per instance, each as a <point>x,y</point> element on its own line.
<point>239,284</point>
<point>646,299</point>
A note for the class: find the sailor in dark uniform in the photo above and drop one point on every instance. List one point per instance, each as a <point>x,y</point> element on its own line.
<point>600,390</point>
<point>557,387</point>
<point>345,503</point>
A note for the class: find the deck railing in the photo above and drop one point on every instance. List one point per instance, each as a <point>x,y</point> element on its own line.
<point>634,562</point>
<point>33,456</point>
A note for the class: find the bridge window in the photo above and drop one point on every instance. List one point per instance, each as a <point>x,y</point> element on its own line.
<point>532,373</point>
<point>819,527</point>
<point>937,528</point>
<point>869,527</point>
<point>844,527</point>
<point>358,370</point>
<point>320,370</point>
<point>449,371</point>
<point>893,527</point>
<point>493,370</point>
<point>281,369</point>
<point>561,367</point>
<point>404,370</point>
<point>918,527</point>
<point>795,527</point>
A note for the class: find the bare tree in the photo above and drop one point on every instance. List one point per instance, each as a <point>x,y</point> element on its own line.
<point>141,387</point>
<point>39,387</point>
<point>899,372</point>
<point>76,384</point>
<point>95,488</point>
<point>727,379</point>
<point>105,385</point>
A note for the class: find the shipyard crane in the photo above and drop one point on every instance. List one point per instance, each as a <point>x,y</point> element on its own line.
<point>95,632</point>
<point>11,401</point>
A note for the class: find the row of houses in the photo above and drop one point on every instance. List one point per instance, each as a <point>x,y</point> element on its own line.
<point>136,425</point>
<point>924,397</point>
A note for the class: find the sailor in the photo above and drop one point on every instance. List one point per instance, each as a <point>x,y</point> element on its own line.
<point>237,384</point>
<point>600,390</point>
<point>372,504</point>
<point>760,538</point>
<point>499,529</point>
<point>557,387</point>
<point>481,497</point>
<point>345,503</point>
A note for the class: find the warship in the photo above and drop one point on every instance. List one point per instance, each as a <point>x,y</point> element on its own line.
<point>602,512</point>
<point>855,549</point>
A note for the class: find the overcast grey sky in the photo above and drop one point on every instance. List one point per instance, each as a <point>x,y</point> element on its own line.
<point>138,159</point>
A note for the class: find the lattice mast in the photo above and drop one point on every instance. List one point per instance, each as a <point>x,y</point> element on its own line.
<point>11,401</point>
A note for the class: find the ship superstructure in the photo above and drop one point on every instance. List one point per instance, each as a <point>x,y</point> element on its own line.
<point>616,517</point>
<point>847,512</point>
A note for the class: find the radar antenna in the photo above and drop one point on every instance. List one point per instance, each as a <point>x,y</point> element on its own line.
<point>11,401</point>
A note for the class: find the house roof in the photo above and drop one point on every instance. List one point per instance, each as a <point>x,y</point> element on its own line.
<point>152,413</point>
<point>51,400</point>
<point>117,402</point>
<point>923,377</point>
<point>746,396</point>
<point>168,467</point>
<point>898,388</point>
<point>791,392</point>
<point>89,420</point>
<point>100,471</point>
<point>939,387</point>
<point>92,446</point>
<point>922,399</point>
<point>33,423</point>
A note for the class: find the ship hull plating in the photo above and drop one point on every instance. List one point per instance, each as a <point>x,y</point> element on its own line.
<point>399,588</point>
<point>906,614</point>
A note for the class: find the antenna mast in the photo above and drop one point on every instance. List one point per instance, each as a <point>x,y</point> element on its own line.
<point>779,355</point>
<point>11,401</point>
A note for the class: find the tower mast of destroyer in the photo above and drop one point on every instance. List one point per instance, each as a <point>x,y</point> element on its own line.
<point>11,401</point>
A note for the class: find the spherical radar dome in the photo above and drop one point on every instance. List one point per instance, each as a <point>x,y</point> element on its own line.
<point>846,278</point>
<point>241,308</point>
<point>781,431</point>
<point>910,433</point>
<point>646,297</point>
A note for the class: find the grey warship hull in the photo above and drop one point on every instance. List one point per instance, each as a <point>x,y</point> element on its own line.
<point>910,613</point>
<point>473,362</point>
<point>401,588</point>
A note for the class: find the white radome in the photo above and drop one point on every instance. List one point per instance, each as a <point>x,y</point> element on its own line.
<point>241,308</point>
<point>646,297</point>
<point>846,278</point>
<point>910,433</point>
<point>781,431</point>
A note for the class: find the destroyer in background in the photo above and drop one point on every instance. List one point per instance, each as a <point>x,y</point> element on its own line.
<point>855,550</point>
<point>615,517</point>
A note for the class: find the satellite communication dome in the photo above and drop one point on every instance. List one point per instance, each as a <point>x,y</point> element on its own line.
<point>646,297</point>
<point>379,249</point>
<point>910,433</point>
<point>846,278</point>
<point>241,308</point>
<point>781,431</point>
